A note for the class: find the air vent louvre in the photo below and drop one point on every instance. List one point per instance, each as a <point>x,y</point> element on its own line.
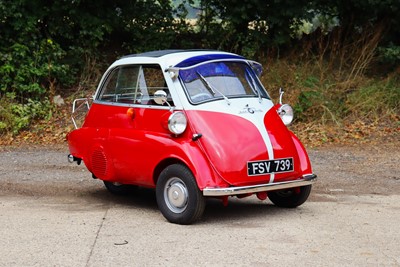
<point>99,163</point>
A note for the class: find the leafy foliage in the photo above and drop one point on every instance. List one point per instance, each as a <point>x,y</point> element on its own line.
<point>15,116</point>
<point>29,71</point>
<point>390,55</point>
<point>67,44</point>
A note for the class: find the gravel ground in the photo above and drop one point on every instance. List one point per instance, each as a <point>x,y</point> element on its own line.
<point>351,170</point>
<point>53,213</point>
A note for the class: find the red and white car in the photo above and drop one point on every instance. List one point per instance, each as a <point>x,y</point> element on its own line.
<point>192,124</point>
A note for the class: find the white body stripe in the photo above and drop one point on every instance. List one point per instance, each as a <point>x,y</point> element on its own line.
<point>242,107</point>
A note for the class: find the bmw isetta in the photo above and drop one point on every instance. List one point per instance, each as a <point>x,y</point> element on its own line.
<point>192,124</point>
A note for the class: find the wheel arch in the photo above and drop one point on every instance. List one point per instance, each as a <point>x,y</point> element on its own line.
<point>164,164</point>
<point>305,163</point>
<point>197,163</point>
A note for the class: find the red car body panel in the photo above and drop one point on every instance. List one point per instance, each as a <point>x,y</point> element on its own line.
<point>113,148</point>
<point>117,147</point>
<point>230,142</point>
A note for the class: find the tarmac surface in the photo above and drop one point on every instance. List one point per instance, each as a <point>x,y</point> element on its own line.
<point>53,213</point>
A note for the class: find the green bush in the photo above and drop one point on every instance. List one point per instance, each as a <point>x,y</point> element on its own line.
<point>15,116</point>
<point>390,55</point>
<point>305,101</point>
<point>28,72</point>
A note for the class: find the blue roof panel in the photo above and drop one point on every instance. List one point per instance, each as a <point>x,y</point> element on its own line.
<point>199,59</point>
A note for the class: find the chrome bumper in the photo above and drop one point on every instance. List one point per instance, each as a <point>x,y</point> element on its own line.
<point>229,191</point>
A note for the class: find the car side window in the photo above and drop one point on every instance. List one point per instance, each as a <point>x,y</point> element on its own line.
<point>133,84</point>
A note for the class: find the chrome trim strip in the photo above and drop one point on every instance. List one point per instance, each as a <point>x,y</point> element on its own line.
<point>100,102</point>
<point>230,191</point>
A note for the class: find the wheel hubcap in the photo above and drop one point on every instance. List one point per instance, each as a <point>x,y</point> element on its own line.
<point>176,195</point>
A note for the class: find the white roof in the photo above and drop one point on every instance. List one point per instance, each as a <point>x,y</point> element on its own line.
<point>171,58</point>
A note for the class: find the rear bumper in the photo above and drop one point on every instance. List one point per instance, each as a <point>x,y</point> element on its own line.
<point>230,191</point>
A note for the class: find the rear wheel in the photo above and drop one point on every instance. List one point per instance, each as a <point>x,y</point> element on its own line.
<point>290,198</point>
<point>119,189</point>
<point>178,196</point>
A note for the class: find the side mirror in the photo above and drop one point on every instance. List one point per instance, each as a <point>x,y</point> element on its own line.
<point>160,97</point>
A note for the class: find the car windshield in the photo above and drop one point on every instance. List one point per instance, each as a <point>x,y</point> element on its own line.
<point>216,80</point>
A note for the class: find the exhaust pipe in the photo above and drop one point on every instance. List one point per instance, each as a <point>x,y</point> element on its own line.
<point>71,159</point>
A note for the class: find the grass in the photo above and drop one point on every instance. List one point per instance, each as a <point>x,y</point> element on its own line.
<point>333,97</point>
<point>329,107</point>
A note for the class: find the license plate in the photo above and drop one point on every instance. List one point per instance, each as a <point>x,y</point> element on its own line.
<point>269,166</point>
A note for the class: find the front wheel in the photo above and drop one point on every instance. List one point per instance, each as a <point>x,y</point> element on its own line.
<point>290,198</point>
<point>178,196</point>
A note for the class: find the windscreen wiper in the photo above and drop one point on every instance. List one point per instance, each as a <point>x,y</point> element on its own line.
<point>211,88</point>
<point>255,87</point>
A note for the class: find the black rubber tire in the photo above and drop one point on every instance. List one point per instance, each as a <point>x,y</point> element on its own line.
<point>119,189</point>
<point>289,198</point>
<point>178,196</point>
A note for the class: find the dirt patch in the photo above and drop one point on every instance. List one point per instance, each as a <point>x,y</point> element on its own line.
<point>341,170</point>
<point>357,169</point>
